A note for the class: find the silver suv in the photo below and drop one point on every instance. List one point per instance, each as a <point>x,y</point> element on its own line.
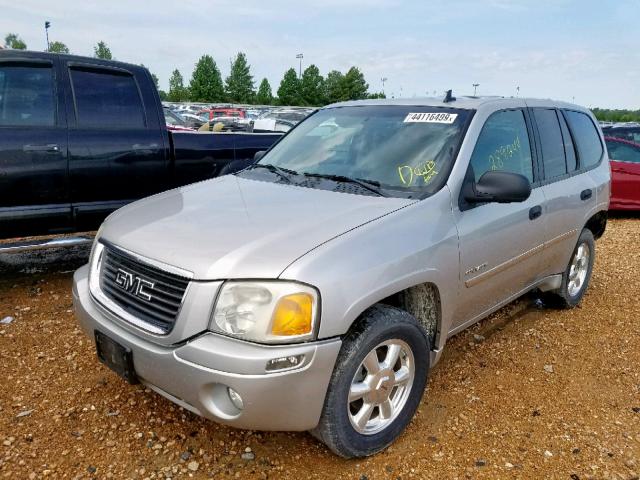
<point>316,288</point>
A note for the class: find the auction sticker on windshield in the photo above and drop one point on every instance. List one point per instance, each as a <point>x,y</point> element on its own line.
<point>430,117</point>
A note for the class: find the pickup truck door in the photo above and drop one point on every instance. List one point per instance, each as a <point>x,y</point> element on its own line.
<point>117,148</point>
<point>501,244</point>
<point>34,195</point>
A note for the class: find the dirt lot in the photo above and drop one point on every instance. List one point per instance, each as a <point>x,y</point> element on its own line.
<point>537,393</point>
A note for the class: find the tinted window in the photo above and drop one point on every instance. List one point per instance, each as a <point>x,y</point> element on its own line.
<point>569,149</point>
<point>503,145</point>
<point>26,96</point>
<point>623,152</point>
<point>552,144</point>
<point>106,99</point>
<point>586,137</point>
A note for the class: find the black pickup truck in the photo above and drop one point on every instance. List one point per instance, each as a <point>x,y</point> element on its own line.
<point>81,137</point>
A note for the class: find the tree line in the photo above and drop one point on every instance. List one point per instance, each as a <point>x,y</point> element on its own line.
<point>609,115</point>
<point>206,83</point>
<point>309,89</point>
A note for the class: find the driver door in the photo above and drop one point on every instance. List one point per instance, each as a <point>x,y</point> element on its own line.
<point>500,243</point>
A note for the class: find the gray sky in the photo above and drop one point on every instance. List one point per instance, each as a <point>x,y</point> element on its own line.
<point>549,48</point>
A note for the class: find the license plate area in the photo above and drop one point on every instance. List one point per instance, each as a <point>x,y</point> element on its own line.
<point>115,356</point>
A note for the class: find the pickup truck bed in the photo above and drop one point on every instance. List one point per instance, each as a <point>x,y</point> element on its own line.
<point>81,137</point>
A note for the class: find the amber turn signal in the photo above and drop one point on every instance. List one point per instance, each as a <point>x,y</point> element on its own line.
<point>293,315</point>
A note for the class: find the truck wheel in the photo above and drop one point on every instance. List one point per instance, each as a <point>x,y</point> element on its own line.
<point>575,278</point>
<point>377,383</point>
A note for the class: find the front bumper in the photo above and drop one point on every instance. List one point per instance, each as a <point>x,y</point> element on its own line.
<point>195,374</point>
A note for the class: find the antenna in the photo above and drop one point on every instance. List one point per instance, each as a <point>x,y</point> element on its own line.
<point>449,97</point>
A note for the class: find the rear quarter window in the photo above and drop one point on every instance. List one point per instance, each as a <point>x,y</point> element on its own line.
<point>586,138</point>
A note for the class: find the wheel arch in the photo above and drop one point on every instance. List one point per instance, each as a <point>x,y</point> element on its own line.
<point>597,223</point>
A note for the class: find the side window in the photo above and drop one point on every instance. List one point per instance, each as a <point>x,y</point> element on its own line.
<point>586,138</point>
<point>504,145</point>
<point>26,96</point>
<point>552,144</point>
<point>106,100</point>
<point>569,149</point>
<point>623,152</point>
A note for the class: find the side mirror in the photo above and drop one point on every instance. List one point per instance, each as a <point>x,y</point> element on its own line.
<point>500,187</point>
<point>258,155</point>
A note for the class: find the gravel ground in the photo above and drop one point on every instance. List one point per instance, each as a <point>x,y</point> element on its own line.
<point>528,393</point>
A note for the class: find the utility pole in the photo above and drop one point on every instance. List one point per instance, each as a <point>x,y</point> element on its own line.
<point>47,24</point>
<point>517,92</point>
<point>300,56</point>
<point>383,80</point>
<point>475,88</point>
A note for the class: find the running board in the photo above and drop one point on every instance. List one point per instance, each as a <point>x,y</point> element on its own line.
<point>30,245</point>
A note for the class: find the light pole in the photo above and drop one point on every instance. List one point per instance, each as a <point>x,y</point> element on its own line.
<point>517,92</point>
<point>47,24</point>
<point>475,88</point>
<point>383,80</point>
<point>300,56</point>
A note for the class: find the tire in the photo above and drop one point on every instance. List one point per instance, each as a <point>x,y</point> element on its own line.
<point>382,329</point>
<point>570,294</point>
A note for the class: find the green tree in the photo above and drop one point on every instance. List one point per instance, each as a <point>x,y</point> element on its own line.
<point>264,95</point>
<point>58,47</point>
<point>354,85</point>
<point>376,95</point>
<point>289,89</point>
<point>206,82</point>
<point>102,51</point>
<point>239,83</point>
<point>13,41</point>
<point>177,90</point>
<point>312,86</point>
<point>334,87</point>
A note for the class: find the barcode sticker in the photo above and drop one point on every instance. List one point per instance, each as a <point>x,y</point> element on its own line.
<point>430,117</point>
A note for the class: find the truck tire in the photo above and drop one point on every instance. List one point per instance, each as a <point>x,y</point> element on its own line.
<point>377,383</point>
<point>575,278</point>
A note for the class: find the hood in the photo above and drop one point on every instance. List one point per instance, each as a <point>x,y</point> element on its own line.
<point>231,227</point>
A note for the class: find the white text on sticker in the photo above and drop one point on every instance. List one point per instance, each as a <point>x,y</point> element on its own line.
<point>430,117</point>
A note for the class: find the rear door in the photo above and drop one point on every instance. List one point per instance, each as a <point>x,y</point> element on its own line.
<point>569,190</point>
<point>116,143</point>
<point>500,243</point>
<point>34,195</point>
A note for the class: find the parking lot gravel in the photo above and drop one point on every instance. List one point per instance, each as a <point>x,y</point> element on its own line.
<point>531,392</point>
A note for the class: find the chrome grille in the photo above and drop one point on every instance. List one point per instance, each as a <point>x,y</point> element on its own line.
<point>146,292</point>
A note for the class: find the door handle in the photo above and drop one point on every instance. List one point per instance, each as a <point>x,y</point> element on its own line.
<point>137,147</point>
<point>50,148</point>
<point>535,212</point>
<point>586,194</point>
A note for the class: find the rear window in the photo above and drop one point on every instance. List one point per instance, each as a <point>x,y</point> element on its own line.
<point>107,100</point>
<point>552,143</point>
<point>26,96</point>
<point>586,138</point>
<point>623,152</point>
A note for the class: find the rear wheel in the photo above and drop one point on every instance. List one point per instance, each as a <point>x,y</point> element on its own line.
<point>377,383</point>
<point>575,279</point>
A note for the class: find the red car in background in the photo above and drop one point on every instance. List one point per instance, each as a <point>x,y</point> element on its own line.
<point>222,112</point>
<point>625,172</point>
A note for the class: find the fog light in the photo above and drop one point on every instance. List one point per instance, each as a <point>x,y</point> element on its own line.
<point>282,363</point>
<point>235,398</point>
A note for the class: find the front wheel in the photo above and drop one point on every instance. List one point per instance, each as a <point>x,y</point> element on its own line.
<point>377,383</point>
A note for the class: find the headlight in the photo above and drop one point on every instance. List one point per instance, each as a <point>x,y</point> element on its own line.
<point>267,312</point>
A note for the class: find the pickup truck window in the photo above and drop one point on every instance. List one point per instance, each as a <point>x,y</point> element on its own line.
<point>26,96</point>
<point>503,145</point>
<point>106,99</point>
<point>405,150</point>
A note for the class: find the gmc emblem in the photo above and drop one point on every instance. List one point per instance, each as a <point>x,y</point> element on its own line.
<point>133,284</point>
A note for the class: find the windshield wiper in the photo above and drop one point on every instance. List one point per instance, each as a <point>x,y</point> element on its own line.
<point>371,185</point>
<point>281,172</point>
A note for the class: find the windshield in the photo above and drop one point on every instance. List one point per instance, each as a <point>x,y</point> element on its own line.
<point>404,150</point>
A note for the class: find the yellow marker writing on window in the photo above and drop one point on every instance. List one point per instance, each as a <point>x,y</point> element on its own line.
<point>426,170</point>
